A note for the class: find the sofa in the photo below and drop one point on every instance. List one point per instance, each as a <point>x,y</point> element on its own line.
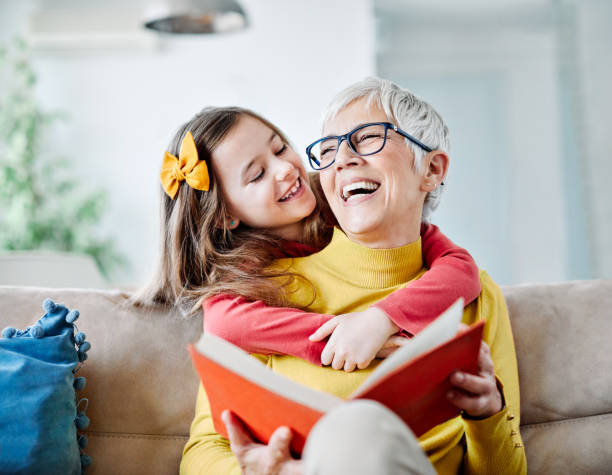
<point>141,385</point>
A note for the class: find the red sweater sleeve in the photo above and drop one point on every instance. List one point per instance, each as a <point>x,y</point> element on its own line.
<point>258,328</point>
<point>453,274</point>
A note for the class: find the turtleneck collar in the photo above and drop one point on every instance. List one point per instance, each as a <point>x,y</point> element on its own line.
<point>372,268</point>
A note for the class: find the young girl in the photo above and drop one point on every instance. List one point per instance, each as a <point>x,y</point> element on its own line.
<point>237,197</point>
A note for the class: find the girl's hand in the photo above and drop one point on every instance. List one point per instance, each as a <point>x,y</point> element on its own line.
<point>392,344</point>
<point>477,394</point>
<point>355,339</point>
<point>260,459</point>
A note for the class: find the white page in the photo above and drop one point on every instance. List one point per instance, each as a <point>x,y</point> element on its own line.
<point>442,329</point>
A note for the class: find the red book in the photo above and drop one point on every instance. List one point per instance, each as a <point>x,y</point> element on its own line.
<point>412,382</point>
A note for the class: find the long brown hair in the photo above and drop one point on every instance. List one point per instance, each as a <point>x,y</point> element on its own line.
<point>199,255</point>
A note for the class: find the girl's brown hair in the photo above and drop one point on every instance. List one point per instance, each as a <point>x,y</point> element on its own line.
<point>199,255</point>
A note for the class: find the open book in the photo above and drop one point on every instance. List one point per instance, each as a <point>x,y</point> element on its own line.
<point>412,382</point>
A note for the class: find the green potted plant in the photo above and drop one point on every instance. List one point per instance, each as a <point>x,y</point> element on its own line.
<point>42,207</point>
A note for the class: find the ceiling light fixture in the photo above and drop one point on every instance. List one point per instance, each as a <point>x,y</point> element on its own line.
<point>201,17</point>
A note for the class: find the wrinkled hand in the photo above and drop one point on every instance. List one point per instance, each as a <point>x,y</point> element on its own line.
<point>260,459</point>
<point>477,394</point>
<point>355,339</point>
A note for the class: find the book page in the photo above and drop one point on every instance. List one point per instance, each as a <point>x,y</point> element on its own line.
<point>237,361</point>
<point>442,329</point>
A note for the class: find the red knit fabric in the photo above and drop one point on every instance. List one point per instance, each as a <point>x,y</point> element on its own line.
<point>257,328</point>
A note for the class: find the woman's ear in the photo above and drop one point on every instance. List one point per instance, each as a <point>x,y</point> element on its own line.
<point>435,166</point>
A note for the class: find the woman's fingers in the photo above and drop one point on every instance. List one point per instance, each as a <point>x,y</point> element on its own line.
<point>238,436</point>
<point>477,394</point>
<point>473,405</point>
<point>485,362</point>
<point>471,383</point>
<point>279,443</point>
<point>253,457</point>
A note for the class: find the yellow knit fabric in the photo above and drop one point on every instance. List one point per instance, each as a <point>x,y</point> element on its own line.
<point>346,277</point>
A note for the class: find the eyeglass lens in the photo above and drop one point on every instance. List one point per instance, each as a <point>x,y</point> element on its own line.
<point>364,141</point>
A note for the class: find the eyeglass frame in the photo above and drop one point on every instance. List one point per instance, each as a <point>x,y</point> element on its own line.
<point>347,137</point>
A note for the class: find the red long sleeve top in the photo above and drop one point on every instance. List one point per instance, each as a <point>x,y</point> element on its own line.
<point>258,328</point>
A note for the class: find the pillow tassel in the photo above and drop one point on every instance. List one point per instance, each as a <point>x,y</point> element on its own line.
<point>79,383</point>
<point>58,324</point>
<point>9,332</point>
<point>82,441</point>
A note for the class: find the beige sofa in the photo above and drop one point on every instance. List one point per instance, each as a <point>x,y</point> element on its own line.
<point>141,385</point>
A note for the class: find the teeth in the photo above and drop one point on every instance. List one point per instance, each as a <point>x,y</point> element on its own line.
<point>358,185</point>
<point>293,190</point>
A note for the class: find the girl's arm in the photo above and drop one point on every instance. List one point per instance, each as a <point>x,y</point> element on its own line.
<point>258,328</point>
<point>356,338</point>
<point>453,274</point>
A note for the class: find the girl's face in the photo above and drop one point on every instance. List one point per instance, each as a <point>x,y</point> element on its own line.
<point>262,179</point>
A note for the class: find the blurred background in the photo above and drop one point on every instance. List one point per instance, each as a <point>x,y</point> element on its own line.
<point>523,84</point>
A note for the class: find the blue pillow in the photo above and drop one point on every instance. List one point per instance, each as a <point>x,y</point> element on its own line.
<point>39,412</point>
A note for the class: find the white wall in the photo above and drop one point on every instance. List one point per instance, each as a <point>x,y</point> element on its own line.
<point>519,198</point>
<point>493,72</point>
<point>594,78</point>
<point>125,105</point>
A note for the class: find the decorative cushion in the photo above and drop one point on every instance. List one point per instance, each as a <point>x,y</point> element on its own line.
<point>39,412</point>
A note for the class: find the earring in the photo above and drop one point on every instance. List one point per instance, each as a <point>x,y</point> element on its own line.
<point>232,222</point>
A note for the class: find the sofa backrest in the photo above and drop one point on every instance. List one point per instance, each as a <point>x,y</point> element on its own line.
<point>140,382</point>
<point>142,388</point>
<point>562,334</point>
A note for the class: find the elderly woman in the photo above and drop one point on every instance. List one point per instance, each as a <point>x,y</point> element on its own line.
<point>382,154</point>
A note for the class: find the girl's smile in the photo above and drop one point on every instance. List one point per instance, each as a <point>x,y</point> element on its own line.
<point>262,179</point>
<point>296,191</point>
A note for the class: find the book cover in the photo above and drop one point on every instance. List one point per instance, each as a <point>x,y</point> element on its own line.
<point>412,382</point>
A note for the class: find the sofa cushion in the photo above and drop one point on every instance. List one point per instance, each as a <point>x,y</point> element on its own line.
<point>141,384</point>
<point>562,334</point>
<point>39,414</point>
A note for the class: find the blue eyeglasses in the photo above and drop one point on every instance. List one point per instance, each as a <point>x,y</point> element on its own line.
<point>367,139</point>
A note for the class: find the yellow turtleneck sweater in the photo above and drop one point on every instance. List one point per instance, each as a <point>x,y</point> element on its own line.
<point>347,277</point>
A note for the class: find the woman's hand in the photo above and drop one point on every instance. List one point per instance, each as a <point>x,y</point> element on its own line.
<point>477,394</point>
<point>261,459</point>
<point>355,339</point>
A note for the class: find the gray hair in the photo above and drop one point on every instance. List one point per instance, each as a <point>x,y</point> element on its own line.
<point>410,113</point>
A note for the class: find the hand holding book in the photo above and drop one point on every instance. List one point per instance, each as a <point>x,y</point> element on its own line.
<point>276,457</point>
<point>477,394</point>
<point>255,458</point>
<point>413,382</point>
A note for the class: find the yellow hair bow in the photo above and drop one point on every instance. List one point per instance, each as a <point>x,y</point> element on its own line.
<point>186,167</point>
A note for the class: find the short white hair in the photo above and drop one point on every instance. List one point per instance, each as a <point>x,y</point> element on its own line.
<point>408,112</point>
